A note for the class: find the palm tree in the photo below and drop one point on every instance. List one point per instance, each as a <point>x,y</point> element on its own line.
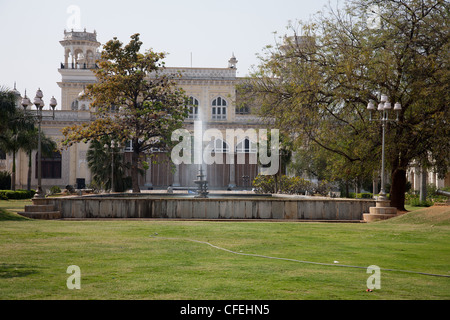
<point>31,143</point>
<point>7,108</point>
<point>17,131</point>
<point>100,155</point>
<point>15,136</point>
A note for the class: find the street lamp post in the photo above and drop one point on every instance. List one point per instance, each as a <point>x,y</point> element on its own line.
<point>39,103</point>
<point>111,148</point>
<point>383,107</point>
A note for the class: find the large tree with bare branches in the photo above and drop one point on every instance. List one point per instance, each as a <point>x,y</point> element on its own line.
<point>318,80</point>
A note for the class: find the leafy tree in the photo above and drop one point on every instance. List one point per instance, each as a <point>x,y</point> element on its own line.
<point>48,146</point>
<point>18,131</point>
<point>134,101</point>
<point>100,161</point>
<point>15,136</point>
<point>7,108</point>
<point>318,83</point>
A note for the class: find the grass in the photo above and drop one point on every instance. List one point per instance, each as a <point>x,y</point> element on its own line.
<point>126,260</point>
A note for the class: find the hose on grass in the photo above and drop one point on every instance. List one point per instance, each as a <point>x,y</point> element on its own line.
<point>295,260</point>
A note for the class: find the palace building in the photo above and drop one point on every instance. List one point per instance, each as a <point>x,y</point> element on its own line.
<point>213,96</point>
<point>213,99</point>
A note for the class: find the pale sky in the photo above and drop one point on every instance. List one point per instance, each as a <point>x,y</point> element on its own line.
<point>210,30</point>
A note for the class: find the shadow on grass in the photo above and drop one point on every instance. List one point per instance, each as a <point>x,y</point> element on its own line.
<point>15,270</point>
<point>6,215</point>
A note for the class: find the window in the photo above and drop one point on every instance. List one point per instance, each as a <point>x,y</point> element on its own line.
<point>220,146</point>
<point>219,109</point>
<point>129,146</point>
<point>246,146</point>
<point>217,146</point>
<point>193,108</point>
<point>51,166</point>
<point>243,109</point>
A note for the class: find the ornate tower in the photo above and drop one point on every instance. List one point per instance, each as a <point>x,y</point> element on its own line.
<point>80,54</point>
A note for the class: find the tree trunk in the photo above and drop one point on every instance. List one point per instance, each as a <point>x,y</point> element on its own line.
<point>135,171</point>
<point>423,185</point>
<point>29,172</point>
<point>13,174</point>
<point>398,188</point>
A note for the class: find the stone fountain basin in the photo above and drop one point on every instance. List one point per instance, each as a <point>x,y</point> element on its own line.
<point>216,206</point>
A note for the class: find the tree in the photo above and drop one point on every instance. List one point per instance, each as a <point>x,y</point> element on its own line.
<point>134,101</point>
<point>7,108</point>
<point>99,156</point>
<point>15,136</point>
<point>48,146</point>
<point>318,84</point>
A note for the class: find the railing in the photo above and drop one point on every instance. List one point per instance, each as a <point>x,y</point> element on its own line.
<point>81,66</point>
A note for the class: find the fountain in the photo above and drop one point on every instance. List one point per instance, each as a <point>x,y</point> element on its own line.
<point>202,189</point>
<point>206,205</point>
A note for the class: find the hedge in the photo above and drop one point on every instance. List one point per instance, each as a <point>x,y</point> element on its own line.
<point>18,194</point>
<point>289,185</point>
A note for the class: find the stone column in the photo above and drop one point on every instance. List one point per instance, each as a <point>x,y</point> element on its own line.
<point>230,160</point>
<point>176,176</point>
<point>416,179</point>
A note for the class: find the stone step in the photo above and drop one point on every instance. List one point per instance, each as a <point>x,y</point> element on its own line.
<point>40,208</point>
<point>42,215</point>
<point>369,217</point>
<point>383,210</point>
<point>42,201</point>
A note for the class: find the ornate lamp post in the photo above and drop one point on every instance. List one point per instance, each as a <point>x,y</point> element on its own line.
<point>111,148</point>
<point>383,107</point>
<point>39,103</point>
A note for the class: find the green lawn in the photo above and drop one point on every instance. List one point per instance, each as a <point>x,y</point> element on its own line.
<point>123,260</point>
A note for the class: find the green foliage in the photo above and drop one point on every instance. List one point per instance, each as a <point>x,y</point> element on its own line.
<point>100,161</point>
<point>134,102</point>
<point>55,190</point>
<point>413,198</point>
<point>317,84</point>
<point>289,185</point>
<point>6,215</point>
<point>7,108</point>
<point>18,194</point>
<point>18,132</point>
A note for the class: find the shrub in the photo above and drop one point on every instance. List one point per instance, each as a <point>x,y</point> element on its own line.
<point>416,202</point>
<point>18,194</point>
<point>289,185</point>
<point>264,184</point>
<point>55,189</point>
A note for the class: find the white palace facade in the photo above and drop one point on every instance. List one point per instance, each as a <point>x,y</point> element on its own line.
<point>213,94</point>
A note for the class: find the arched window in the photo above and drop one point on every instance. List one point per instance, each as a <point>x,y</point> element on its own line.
<point>219,109</point>
<point>246,146</point>
<point>217,146</point>
<point>51,166</point>
<point>193,108</point>
<point>74,105</point>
